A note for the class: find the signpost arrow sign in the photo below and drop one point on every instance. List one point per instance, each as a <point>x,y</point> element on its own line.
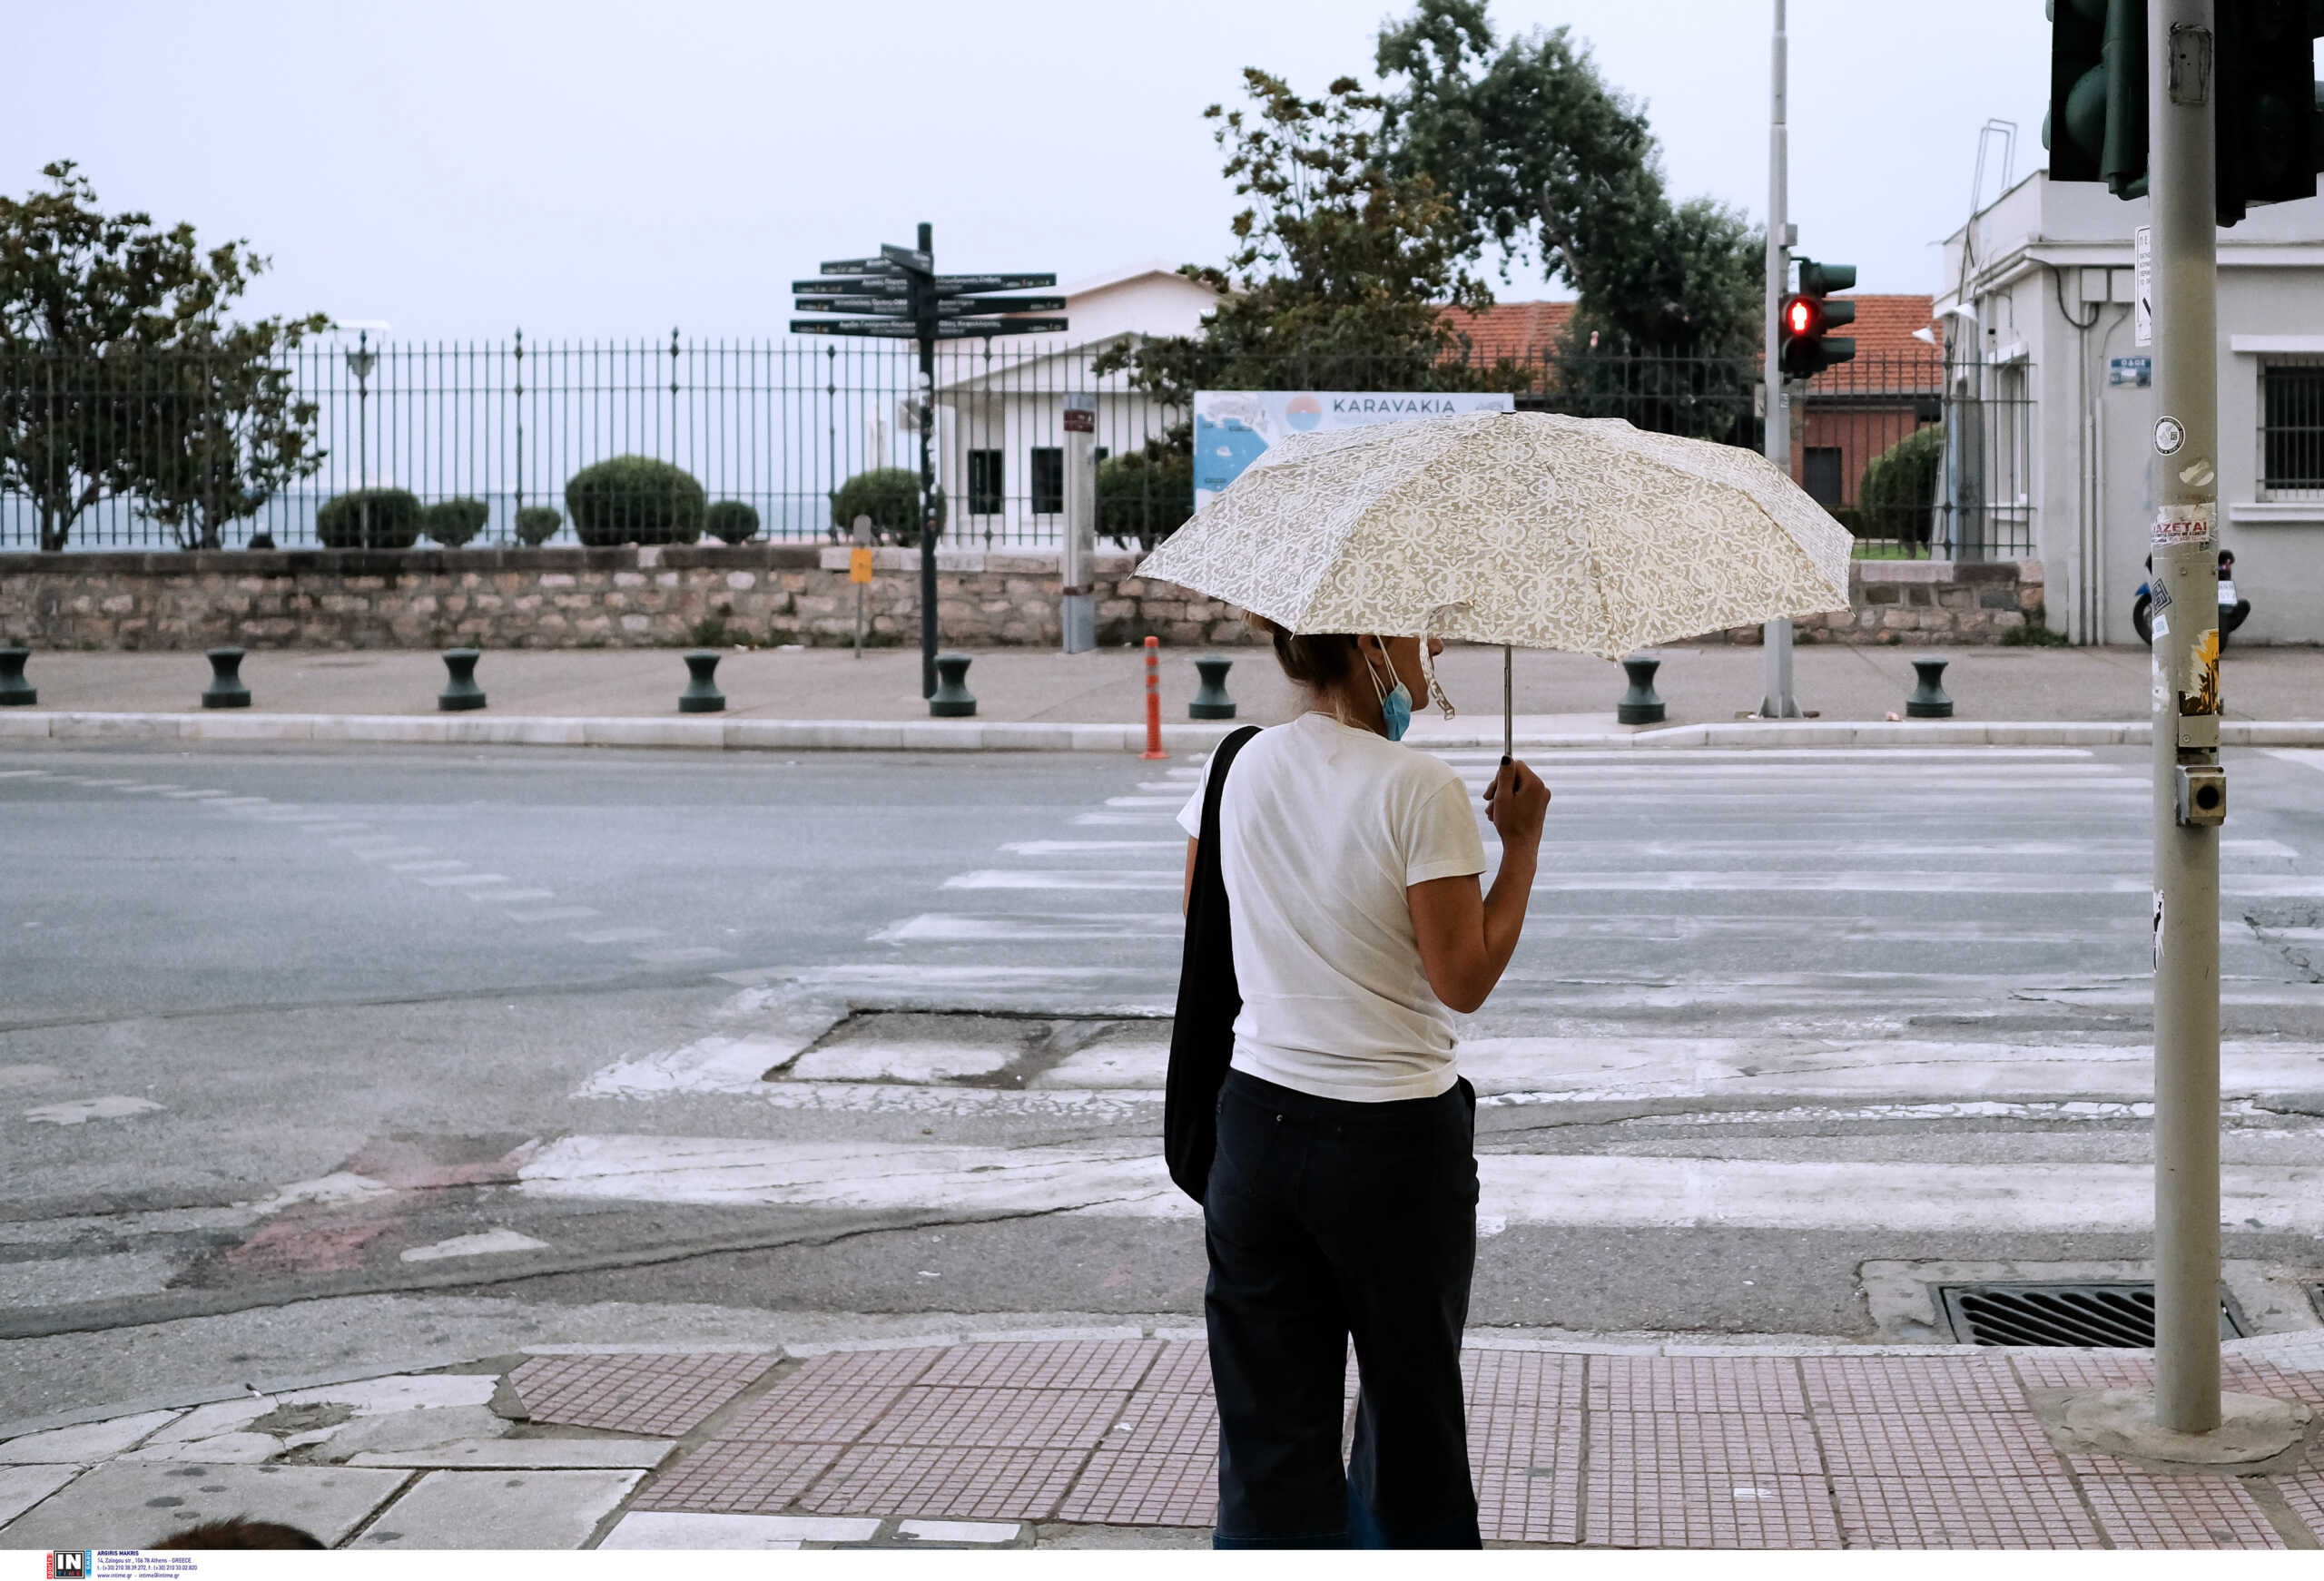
<point>907,330</point>
<point>953,308</point>
<point>897,284</point>
<point>911,259</point>
<point>856,266</point>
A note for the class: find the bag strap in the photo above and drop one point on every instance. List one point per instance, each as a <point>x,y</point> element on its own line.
<point>1206,855</point>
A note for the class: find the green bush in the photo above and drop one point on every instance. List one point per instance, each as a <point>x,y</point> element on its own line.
<point>635,499</point>
<point>731,521</point>
<point>1145,496</point>
<point>370,519</point>
<point>453,521</point>
<point>1896,501</point>
<point>890,496</point>
<point>537,523</point>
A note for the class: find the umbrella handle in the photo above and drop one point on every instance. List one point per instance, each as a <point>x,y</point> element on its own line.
<point>1508,707</point>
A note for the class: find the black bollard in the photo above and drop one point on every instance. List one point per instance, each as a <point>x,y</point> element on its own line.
<point>225,689</point>
<point>702,694</point>
<point>1640,704</point>
<point>15,691</point>
<point>1211,700</point>
<point>460,691</point>
<point>951,699</point>
<point>1928,699</point>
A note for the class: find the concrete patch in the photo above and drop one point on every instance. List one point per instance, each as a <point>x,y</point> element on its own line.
<point>530,1455</point>
<point>960,1531</point>
<point>132,1505</point>
<point>409,1391</point>
<point>422,1428</point>
<point>222,1449</point>
<point>494,1509</point>
<point>92,1441</point>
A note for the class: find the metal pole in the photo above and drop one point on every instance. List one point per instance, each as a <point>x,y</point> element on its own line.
<point>1775,635</point>
<point>2180,112</point>
<point>926,301</point>
<point>1508,706</point>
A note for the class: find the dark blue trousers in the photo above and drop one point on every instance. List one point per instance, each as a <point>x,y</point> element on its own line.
<point>1327,1220</point>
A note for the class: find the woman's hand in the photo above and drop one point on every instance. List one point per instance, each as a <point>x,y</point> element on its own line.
<point>1516,802</point>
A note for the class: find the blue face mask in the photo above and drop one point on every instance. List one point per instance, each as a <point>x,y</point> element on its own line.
<point>1395,705</point>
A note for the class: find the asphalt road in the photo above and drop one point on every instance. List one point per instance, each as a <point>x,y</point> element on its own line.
<point>311,1057</point>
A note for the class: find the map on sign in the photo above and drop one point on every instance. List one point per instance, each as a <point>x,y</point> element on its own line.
<point>1231,426</point>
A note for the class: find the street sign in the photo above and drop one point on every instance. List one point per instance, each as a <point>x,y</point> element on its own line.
<point>2131,370</point>
<point>947,284</point>
<point>897,284</point>
<point>885,307</point>
<point>856,266</point>
<point>907,329</point>
<point>911,259</point>
<point>953,308</point>
<point>858,565</point>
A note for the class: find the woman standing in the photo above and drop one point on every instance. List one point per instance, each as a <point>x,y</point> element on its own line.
<point>1342,1200</point>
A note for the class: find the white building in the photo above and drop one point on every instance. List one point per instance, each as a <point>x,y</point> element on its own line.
<point>2051,415</point>
<point>999,403</point>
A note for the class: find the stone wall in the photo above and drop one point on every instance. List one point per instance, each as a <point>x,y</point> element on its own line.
<point>763,595</point>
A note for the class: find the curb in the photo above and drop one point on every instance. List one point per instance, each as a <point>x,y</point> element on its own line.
<point>861,735</point>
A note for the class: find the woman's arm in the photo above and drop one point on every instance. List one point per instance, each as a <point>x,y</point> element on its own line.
<point>1467,933</point>
<point>1187,899</point>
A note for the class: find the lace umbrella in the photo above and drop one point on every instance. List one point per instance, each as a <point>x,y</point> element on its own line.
<point>1525,529</point>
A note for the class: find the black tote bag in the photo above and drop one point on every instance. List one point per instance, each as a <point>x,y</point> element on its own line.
<point>1202,1036</point>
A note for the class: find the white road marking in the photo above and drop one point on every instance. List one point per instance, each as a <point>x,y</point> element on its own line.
<point>512,897</point>
<point>1900,881</point>
<point>80,1111</point>
<point>26,774</point>
<point>1093,879</point>
<point>240,802</point>
<point>141,790</point>
<point>193,795</point>
<point>554,913</point>
<point>954,927</point>
<point>1063,848</point>
<point>1127,1179</point>
<point>619,934</point>
<point>459,880</point>
<point>336,828</point>
<point>442,865</point>
<point>680,957</point>
<point>337,1189</point>
<point>485,1243</point>
<point>1173,802</point>
<point>395,852</point>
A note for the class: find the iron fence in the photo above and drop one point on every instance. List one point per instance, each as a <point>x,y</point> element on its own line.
<point>1915,457</point>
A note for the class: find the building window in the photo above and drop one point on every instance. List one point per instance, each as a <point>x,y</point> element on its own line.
<point>2291,431</point>
<point>986,492</point>
<point>1820,473</point>
<point>1049,480</point>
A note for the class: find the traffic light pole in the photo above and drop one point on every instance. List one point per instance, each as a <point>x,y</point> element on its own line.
<point>2181,112</point>
<point>1775,635</point>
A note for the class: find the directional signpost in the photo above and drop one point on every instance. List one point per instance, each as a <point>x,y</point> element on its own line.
<point>898,296</point>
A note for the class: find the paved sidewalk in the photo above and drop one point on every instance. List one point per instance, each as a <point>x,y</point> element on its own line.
<point>1565,691</point>
<point>1106,1438</point>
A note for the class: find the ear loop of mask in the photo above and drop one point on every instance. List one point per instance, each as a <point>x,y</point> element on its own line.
<point>1435,687</point>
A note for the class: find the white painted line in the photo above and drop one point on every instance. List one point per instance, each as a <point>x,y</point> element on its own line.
<point>146,790</point>
<point>682,957</point>
<point>396,852</point>
<point>1173,802</point>
<point>462,880</point>
<point>1097,878</point>
<point>554,913</point>
<point>1064,847</point>
<point>959,1531</point>
<point>442,865</point>
<point>620,934</point>
<point>953,928</point>
<point>1783,754</point>
<point>1126,819</point>
<point>1842,846</point>
<point>28,774</point>
<point>1901,881</point>
<point>510,896</point>
<point>193,795</point>
<point>485,1244</point>
<point>240,802</point>
<point>341,828</point>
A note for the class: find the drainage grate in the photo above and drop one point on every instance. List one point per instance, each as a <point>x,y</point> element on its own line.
<point>2098,1315</point>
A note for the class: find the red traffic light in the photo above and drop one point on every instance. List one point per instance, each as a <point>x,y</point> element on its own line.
<point>1802,317</point>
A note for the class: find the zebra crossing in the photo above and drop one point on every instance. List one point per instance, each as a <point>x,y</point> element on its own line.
<point>1752,984</point>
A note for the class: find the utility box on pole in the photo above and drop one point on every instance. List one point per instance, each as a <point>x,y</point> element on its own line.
<point>1077,551</point>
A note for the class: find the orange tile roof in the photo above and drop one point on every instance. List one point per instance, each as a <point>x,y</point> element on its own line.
<point>1521,331</point>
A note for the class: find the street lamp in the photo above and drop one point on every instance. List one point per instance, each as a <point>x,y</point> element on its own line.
<point>360,363</point>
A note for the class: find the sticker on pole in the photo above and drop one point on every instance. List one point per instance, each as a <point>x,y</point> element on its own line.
<point>2142,286</point>
<point>2170,433</point>
<point>2179,525</point>
<point>858,565</point>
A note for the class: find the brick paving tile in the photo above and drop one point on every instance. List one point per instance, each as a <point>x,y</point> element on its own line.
<point>740,1477</point>
<point>908,1480</point>
<point>1046,1364</point>
<point>1992,1512</point>
<point>1525,1459</point>
<point>1006,1419</point>
<point>1973,1444</point>
<point>868,1367</point>
<point>1695,1510</point>
<point>1729,1445</point>
<point>1521,1376</point>
<point>2068,1368</point>
<point>2278,1382</point>
<point>2179,1512</point>
<point>1679,1383</point>
<point>1184,1365</point>
<point>1166,1424</point>
<point>1927,1384</point>
<point>2305,1494</point>
<point>1127,1489</point>
<point>660,1394</point>
<point>808,1408</point>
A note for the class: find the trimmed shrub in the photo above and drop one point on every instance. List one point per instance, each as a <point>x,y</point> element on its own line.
<point>1145,496</point>
<point>635,499</point>
<point>731,521</point>
<point>890,496</point>
<point>1896,501</point>
<point>453,521</point>
<point>537,523</point>
<point>370,519</point>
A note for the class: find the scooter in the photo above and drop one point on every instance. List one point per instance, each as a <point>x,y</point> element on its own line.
<point>2231,609</point>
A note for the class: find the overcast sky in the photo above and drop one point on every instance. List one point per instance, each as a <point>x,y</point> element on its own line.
<point>594,168</point>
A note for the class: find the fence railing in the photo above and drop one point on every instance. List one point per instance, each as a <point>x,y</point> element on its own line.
<point>169,451</point>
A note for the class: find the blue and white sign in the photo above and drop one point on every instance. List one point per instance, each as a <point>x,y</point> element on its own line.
<point>2131,370</point>
<point>1231,426</point>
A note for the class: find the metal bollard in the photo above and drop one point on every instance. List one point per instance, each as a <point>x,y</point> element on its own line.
<point>1211,700</point>
<point>952,699</point>
<point>15,691</point>
<point>1154,700</point>
<point>702,694</point>
<point>1928,699</point>
<point>225,689</point>
<point>1641,704</point>
<point>460,691</point>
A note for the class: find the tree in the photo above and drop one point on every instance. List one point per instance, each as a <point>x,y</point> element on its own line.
<point>119,374</point>
<point>1538,155</point>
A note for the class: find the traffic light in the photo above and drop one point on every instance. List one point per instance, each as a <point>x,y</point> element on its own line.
<point>2095,129</point>
<point>1807,348</point>
<point>2267,103</point>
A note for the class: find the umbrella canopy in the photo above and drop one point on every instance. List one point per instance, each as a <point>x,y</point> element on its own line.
<point>1528,528</point>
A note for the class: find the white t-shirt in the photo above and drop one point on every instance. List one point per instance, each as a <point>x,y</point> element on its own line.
<point>1322,828</point>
